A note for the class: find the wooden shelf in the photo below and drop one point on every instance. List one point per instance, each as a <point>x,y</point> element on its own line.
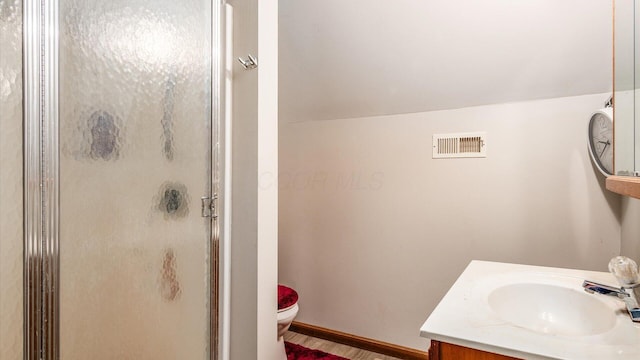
<point>624,185</point>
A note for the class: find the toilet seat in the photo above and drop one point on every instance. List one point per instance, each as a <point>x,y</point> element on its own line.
<point>287,298</point>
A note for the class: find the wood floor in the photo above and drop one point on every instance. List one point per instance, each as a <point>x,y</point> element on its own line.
<point>334,348</point>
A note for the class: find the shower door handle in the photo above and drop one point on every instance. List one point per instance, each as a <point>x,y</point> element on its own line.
<point>209,206</point>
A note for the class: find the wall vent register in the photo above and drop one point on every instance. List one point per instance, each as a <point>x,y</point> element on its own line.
<point>460,145</point>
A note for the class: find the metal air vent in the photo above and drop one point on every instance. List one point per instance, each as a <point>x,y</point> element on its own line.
<point>460,145</point>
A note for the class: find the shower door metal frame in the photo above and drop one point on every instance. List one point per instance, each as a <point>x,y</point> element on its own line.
<point>216,178</point>
<point>42,179</point>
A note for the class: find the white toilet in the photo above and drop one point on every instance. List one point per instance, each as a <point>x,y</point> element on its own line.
<point>287,311</point>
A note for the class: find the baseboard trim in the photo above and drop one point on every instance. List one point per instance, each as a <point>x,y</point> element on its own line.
<point>360,342</point>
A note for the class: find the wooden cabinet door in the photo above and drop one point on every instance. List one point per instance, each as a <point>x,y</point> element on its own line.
<point>445,351</point>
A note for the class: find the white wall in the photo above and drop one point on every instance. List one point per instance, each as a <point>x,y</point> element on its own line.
<point>342,59</point>
<point>267,179</point>
<point>373,231</point>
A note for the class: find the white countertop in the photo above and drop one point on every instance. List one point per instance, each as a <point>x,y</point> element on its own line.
<point>465,317</point>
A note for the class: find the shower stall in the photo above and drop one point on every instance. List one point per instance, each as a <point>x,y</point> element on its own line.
<point>110,174</point>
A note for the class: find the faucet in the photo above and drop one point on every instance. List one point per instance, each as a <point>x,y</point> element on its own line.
<point>626,271</point>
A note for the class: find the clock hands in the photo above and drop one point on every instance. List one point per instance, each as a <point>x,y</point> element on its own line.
<point>606,143</point>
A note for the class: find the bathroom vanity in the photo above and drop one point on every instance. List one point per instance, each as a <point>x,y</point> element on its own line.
<point>511,311</point>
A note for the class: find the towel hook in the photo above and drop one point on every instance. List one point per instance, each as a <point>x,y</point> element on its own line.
<point>250,63</point>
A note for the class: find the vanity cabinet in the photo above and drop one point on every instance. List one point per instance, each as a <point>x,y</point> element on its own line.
<point>467,325</point>
<point>445,351</point>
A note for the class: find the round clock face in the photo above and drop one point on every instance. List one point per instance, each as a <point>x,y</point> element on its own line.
<point>601,142</point>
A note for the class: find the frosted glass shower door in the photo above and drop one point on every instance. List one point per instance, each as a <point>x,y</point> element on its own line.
<point>135,159</point>
<point>11,207</point>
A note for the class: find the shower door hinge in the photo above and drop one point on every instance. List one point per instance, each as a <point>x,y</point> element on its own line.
<point>209,206</point>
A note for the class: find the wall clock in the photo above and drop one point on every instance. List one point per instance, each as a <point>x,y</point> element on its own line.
<point>601,140</point>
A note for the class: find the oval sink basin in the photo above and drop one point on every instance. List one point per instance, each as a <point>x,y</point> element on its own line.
<point>551,309</point>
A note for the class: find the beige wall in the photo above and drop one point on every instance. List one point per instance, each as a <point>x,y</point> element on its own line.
<point>630,240</point>
<point>254,209</point>
<point>243,305</point>
<point>373,231</point>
